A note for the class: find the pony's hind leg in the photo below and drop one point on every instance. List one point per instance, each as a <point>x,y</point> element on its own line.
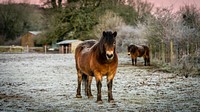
<point>88,87</point>
<point>85,82</point>
<point>135,61</point>
<point>145,61</point>
<point>78,94</point>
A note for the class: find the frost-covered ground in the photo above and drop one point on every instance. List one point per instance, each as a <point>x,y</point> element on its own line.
<point>47,82</point>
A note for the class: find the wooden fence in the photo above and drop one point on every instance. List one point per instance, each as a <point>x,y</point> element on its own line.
<point>172,51</point>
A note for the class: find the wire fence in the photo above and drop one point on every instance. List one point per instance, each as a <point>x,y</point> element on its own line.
<point>181,54</point>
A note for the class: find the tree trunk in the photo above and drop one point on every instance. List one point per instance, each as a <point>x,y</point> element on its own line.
<point>171,52</point>
<point>53,3</point>
<point>59,3</point>
<point>163,51</point>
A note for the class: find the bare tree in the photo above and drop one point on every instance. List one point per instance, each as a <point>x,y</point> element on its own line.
<point>52,3</point>
<point>142,7</point>
<point>17,19</point>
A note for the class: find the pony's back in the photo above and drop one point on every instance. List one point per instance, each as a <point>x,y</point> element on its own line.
<point>84,45</point>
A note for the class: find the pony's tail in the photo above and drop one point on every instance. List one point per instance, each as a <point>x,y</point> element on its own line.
<point>78,50</point>
<point>147,53</point>
<point>84,78</point>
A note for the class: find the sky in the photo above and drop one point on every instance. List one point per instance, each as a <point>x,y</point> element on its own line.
<point>175,3</point>
<point>157,3</point>
<point>22,1</point>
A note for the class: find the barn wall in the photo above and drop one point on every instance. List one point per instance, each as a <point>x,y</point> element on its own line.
<point>27,39</point>
<point>69,47</point>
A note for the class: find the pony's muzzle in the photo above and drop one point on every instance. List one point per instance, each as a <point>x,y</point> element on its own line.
<point>129,53</point>
<point>109,54</point>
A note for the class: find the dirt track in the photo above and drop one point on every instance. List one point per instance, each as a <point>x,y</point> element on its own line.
<point>47,82</point>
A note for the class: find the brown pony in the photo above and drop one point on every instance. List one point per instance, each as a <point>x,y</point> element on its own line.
<point>139,51</point>
<point>99,60</point>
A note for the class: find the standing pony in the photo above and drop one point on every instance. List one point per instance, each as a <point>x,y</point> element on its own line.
<point>99,60</point>
<point>139,51</point>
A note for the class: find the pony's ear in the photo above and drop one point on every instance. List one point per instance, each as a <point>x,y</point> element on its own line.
<point>104,33</point>
<point>115,34</point>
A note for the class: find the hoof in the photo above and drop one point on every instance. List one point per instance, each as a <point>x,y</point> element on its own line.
<point>111,101</point>
<point>99,102</point>
<point>90,97</point>
<point>78,96</point>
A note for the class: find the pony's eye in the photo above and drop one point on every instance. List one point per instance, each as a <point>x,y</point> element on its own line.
<point>114,43</point>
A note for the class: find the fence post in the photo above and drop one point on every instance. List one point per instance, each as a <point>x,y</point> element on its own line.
<point>62,49</point>
<point>163,51</point>
<point>27,48</point>
<point>187,47</point>
<point>171,52</point>
<point>151,54</point>
<point>10,48</point>
<point>45,48</point>
<point>66,50</point>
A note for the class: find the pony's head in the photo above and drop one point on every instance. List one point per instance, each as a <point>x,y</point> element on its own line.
<point>131,48</point>
<point>108,44</point>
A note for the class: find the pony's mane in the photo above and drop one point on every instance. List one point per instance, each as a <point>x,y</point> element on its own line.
<point>104,39</point>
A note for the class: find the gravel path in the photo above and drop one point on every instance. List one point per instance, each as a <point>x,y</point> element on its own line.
<point>47,82</point>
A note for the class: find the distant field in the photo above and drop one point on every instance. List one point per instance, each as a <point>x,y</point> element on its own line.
<point>11,49</point>
<point>19,49</point>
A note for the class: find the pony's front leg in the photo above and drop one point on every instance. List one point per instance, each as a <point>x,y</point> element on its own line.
<point>133,61</point>
<point>110,96</point>
<point>99,85</point>
<point>78,94</point>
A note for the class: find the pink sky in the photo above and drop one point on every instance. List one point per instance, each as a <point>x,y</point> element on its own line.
<point>37,2</point>
<point>157,3</point>
<point>175,3</point>
<point>22,1</point>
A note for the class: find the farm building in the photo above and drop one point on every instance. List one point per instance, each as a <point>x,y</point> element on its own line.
<point>27,39</point>
<point>68,46</point>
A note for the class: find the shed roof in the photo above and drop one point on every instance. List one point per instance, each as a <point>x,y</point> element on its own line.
<point>66,42</point>
<point>35,32</point>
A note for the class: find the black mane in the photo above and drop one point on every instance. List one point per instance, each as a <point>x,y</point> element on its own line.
<point>107,37</point>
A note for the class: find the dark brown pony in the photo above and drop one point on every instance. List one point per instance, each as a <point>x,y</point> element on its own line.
<point>139,51</point>
<point>98,61</point>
